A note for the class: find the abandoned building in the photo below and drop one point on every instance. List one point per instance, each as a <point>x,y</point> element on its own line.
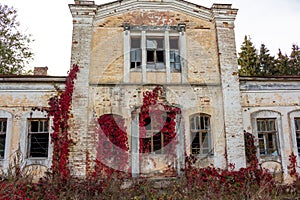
<point>126,48</point>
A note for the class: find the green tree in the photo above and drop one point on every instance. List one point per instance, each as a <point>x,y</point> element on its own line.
<point>294,61</point>
<point>282,64</point>
<point>265,61</point>
<point>248,59</point>
<point>14,45</point>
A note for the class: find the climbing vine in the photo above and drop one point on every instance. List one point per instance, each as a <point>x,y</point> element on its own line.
<point>112,150</point>
<point>158,115</point>
<point>60,106</point>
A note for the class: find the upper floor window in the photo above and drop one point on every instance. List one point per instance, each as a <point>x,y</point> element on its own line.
<point>135,53</point>
<point>3,127</point>
<point>200,134</point>
<point>38,137</point>
<point>266,132</point>
<point>156,49</point>
<point>297,128</point>
<point>155,52</point>
<point>174,54</point>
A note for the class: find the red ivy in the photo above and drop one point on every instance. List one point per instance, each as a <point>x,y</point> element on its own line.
<point>151,106</point>
<point>60,106</point>
<point>112,152</point>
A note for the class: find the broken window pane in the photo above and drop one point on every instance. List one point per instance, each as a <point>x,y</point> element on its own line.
<point>38,138</point>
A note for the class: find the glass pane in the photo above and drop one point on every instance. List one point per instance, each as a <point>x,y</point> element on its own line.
<point>297,123</point>
<point>34,126</point>
<point>202,119</point>
<point>204,140</point>
<point>195,143</point>
<point>193,123</point>
<point>151,44</point>
<point>174,43</point>
<point>132,56</point>
<point>4,126</point>
<point>39,145</point>
<point>46,126</point>
<point>157,143</point>
<point>197,122</point>
<point>172,56</point>
<point>135,42</point>
<point>2,146</point>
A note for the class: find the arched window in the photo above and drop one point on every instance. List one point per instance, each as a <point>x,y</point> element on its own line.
<point>200,129</point>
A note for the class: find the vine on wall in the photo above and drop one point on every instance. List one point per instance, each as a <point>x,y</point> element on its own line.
<point>112,150</point>
<point>159,113</point>
<point>60,107</point>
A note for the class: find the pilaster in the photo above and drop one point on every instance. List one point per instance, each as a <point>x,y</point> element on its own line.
<point>83,13</point>
<point>223,16</point>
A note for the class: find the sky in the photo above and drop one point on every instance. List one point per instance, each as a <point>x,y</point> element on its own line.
<point>274,23</point>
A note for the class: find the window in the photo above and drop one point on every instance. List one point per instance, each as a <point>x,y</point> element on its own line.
<point>38,137</point>
<point>135,53</point>
<point>174,54</point>
<point>3,126</point>
<point>266,131</point>
<point>155,53</point>
<point>200,134</point>
<point>155,49</point>
<point>297,127</point>
<point>154,140</point>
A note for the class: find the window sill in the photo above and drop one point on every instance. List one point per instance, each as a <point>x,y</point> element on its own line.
<point>38,161</point>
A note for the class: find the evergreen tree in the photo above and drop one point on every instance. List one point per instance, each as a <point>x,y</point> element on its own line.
<point>14,49</point>
<point>248,59</point>
<point>266,62</point>
<point>294,60</point>
<point>281,65</point>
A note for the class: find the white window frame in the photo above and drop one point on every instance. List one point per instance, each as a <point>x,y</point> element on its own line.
<point>45,161</point>
<point>268,114</point>
<point>40,131</point>
<point>292,116</point>
<point>200,132</point>
<point>161,32</point>
<point>8,116</point>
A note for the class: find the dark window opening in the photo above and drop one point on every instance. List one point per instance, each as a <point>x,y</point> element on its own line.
<point>38,138</point>
<point>297,126</point>
<point>3,127</point>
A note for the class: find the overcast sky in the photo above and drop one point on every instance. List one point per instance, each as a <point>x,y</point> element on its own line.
<point>272,22</point>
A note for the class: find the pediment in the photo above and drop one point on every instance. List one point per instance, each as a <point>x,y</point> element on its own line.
<point>166,6</point>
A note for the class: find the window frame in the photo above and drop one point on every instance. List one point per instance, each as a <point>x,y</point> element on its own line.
<point>153,130</point>
<point>30,133</point>
<point>157,66</point>
<point>258,114</point>
<point>200,132</point>
<point>265,135</point>
<point>3,133</point>
<point>297,132</point>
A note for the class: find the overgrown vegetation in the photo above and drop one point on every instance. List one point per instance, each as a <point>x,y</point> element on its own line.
<point>255,62</point>
<point>103,182</point>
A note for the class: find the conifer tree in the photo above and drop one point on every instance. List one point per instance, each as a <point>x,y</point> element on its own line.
<point>248,59</point>
<point>266,62</point>
<point>294,60</point>
<point>281,64</point>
